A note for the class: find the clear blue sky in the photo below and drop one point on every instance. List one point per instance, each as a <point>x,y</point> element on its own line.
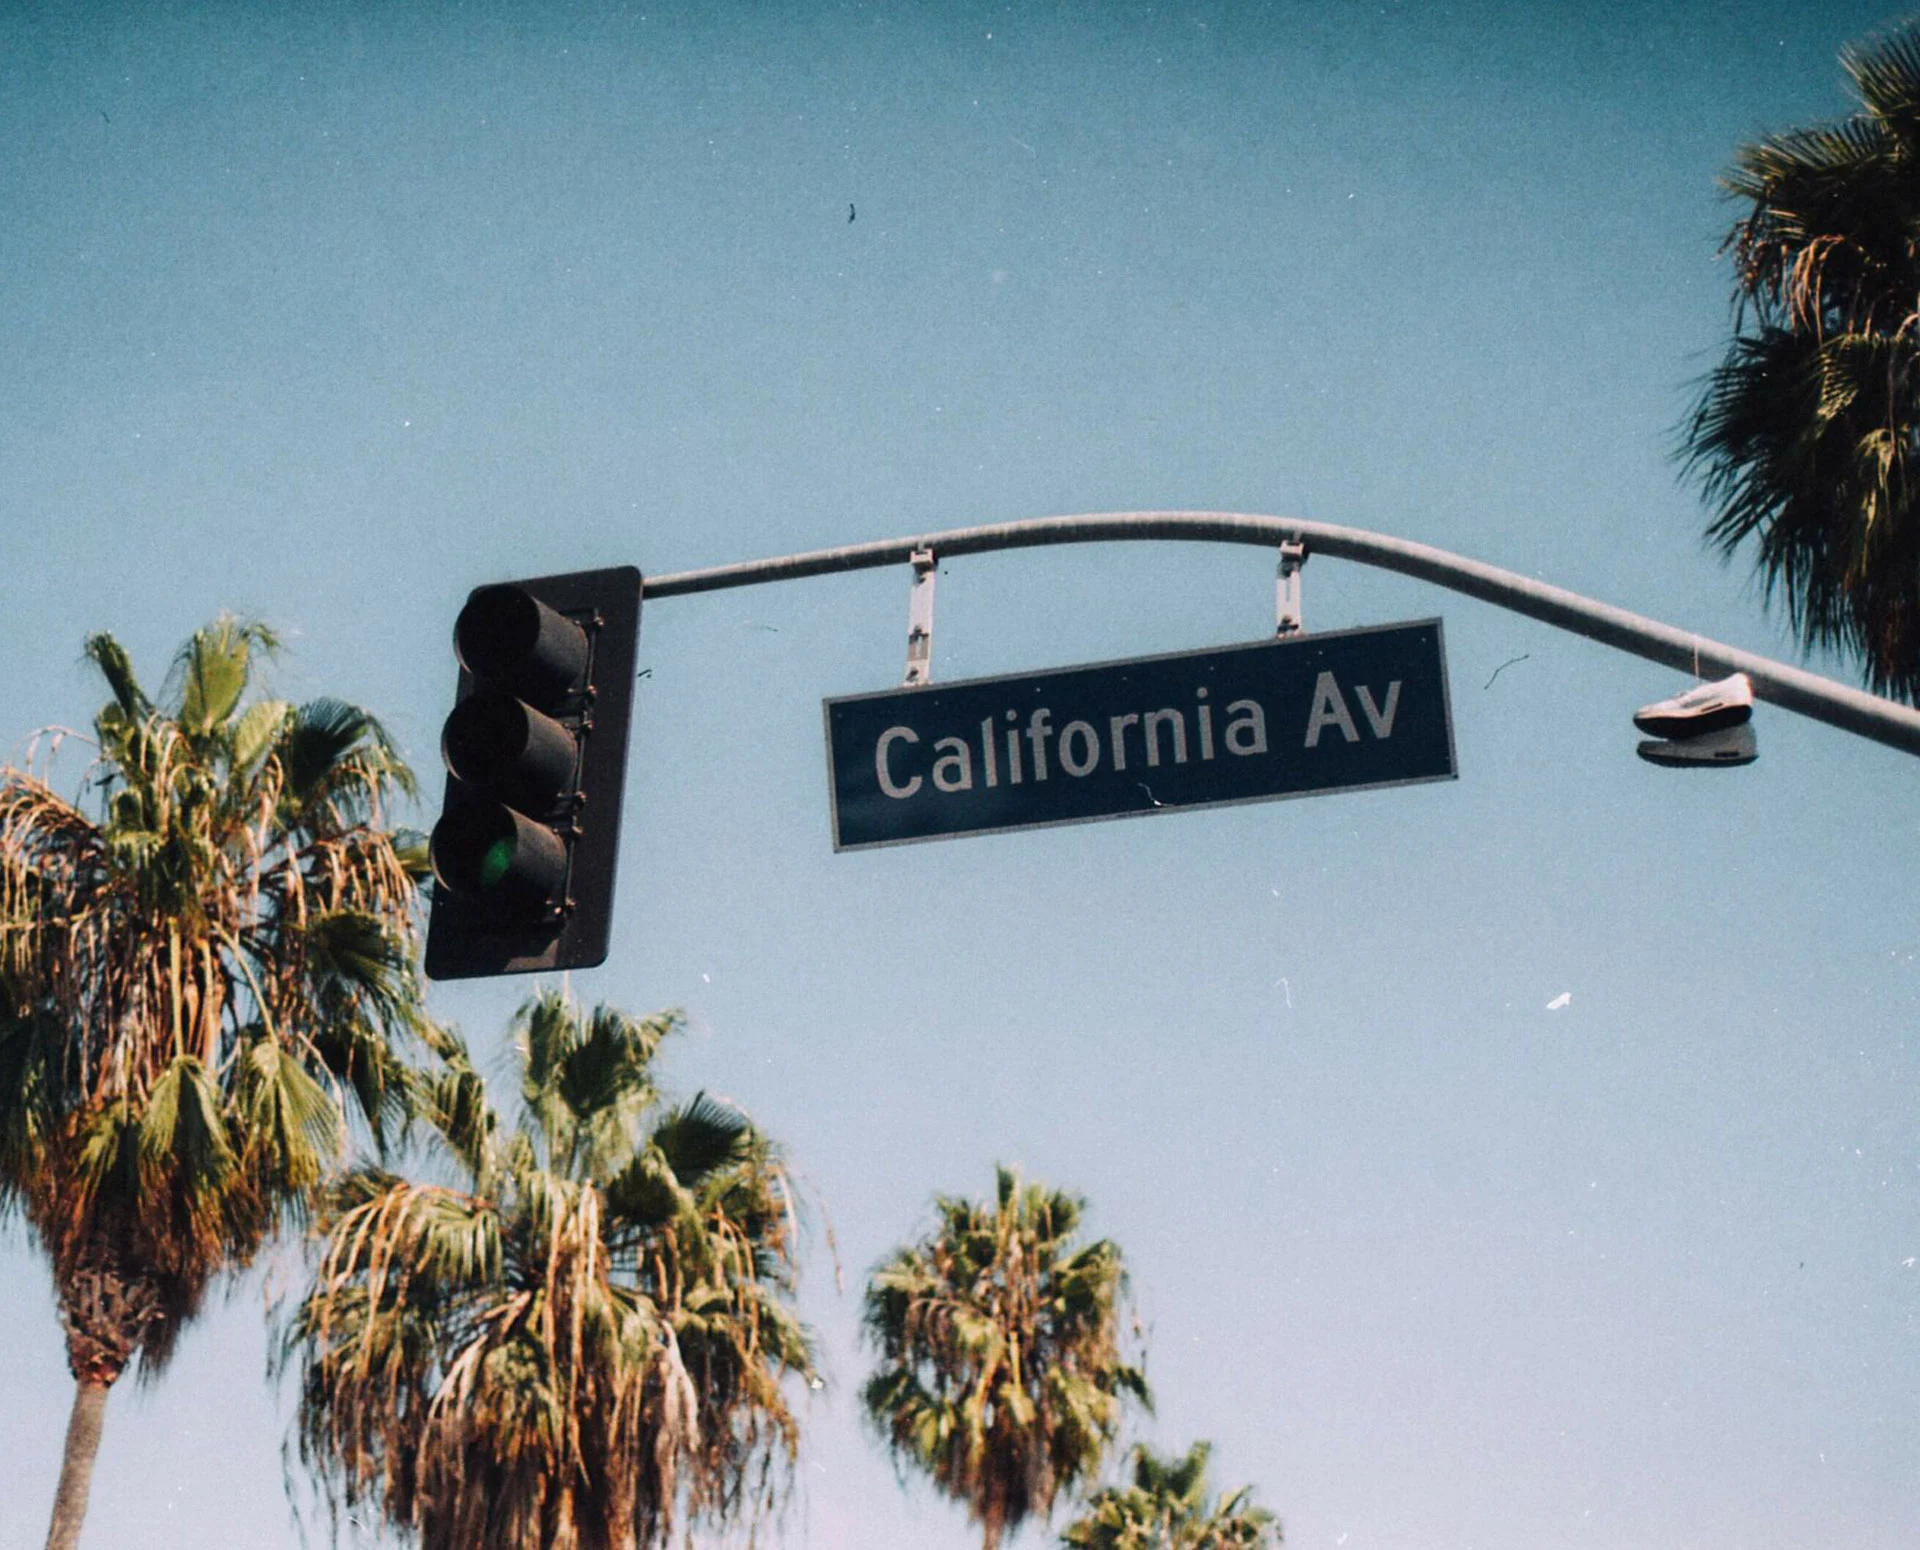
<point>328,313</point>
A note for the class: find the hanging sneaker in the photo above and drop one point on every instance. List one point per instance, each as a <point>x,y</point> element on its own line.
<point>1708,708</point>
<point>1730,745</point>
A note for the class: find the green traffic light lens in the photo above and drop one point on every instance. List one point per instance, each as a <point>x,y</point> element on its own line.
<point>489,852</point>
<point>496,862</point>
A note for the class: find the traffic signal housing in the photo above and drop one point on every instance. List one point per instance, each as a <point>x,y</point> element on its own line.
<point>536,753</point>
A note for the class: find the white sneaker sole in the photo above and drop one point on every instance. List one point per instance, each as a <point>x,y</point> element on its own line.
<point>1730,745</point>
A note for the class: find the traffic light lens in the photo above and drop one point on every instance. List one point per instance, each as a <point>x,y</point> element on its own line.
<point>490,854</point>
<point>495,741</point>
<point>496,863</point>
<point>485,734</point>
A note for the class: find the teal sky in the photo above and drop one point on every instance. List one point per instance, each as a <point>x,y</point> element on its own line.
<point>327,314</point>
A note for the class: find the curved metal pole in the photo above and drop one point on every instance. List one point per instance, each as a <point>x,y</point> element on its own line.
<point>1792,688</point>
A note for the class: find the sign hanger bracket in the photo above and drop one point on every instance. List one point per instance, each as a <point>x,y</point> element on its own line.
<point>1286,589</point>
<point>920,620</point>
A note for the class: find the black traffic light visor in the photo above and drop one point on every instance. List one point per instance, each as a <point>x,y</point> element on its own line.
<point>506,635</point>
<point>496,742</point>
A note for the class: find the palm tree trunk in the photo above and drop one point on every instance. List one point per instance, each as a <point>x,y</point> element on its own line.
<point>76,1464</point>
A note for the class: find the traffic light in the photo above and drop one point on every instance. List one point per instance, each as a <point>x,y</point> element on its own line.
<point>536,755</point>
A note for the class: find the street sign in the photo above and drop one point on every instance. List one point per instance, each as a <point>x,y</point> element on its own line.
<point>1297,716</point>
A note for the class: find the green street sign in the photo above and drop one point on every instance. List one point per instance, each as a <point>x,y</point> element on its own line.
<point>1301,715</point>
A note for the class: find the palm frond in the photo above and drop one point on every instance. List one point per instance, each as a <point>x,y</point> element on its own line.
<point>645,1197</point>
<point>103,1156</point>
<point>114,665</point>
<point>700,1137</point>
<point>587,1079</point>
<point>212,670</point>
<point>186,1153</point>
<point>411,850</point>
<point>452,1099</point>
<point>337,759</point>
<point>1885,71</point>
<point>38,1074</point>
<point>293,1131</point>
<point>261,725</point>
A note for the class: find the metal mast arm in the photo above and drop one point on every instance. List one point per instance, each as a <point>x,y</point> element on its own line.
<point>1792,688</point>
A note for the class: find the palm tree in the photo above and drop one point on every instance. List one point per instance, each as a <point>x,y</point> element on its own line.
<point>1169,1507</point>
<point>577,1332</point>
<point>1001,1372</point>
<point>1803,438</point>
<point>203,962</point>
